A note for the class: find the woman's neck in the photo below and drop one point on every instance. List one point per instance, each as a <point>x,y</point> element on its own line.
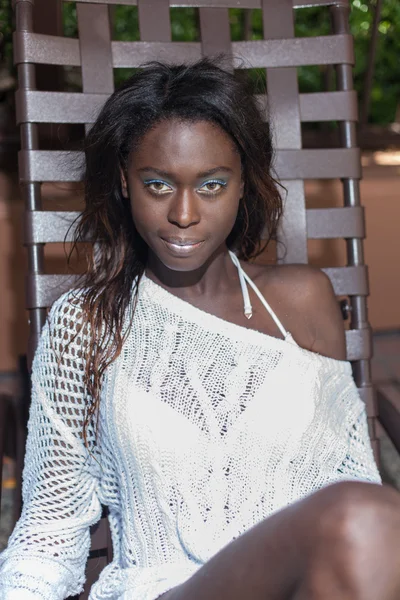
<point>217,274</point>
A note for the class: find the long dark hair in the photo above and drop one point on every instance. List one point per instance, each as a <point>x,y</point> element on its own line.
<point>201,91</point>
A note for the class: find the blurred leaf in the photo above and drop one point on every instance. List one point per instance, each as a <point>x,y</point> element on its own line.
<point>69,19</point>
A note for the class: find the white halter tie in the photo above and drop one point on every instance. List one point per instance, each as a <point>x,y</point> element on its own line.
<point>248,309</point>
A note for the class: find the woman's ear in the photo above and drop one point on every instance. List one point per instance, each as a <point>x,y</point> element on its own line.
<point>124,185</point>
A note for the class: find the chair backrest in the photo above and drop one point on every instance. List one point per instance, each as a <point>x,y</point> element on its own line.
<point>280,53</point>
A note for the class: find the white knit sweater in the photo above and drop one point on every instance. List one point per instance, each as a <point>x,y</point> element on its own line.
<point>206,428</point>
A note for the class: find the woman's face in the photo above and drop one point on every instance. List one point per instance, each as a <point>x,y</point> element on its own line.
<point>184,182</point>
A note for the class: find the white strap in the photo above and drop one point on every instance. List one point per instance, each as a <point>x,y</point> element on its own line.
<point>248,309</point>
<point>243,277</point>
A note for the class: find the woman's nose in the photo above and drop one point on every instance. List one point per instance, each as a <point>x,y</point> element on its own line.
<point>184,210</point>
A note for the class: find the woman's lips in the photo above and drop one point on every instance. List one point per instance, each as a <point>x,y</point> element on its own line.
<point>182,247</point>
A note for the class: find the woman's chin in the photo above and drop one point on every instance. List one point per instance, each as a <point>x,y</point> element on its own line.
<point>182,264</point>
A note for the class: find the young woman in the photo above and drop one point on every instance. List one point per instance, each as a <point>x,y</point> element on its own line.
<point>205,400</point>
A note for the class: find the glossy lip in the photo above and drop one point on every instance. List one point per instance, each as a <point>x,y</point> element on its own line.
<point>180,247</point>
<point>177,241</point>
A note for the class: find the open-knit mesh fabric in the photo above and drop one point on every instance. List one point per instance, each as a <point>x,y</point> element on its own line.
<point>206,428</point>
<point>48,547</point>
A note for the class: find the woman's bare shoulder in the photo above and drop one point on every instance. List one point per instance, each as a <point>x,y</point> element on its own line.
<point>306,303</point>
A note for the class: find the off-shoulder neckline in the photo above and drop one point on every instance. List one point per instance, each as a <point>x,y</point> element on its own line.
<point>239,333</point>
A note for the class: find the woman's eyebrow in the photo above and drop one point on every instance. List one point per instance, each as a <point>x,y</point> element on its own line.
<point>216,170</point>
<point>171,175</point>
<point>154,170</point>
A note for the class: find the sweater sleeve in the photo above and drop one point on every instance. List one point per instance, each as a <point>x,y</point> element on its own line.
<point>47,551</point>
<point>358,461</point>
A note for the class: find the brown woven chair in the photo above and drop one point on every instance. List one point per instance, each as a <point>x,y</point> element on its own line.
<point>280,54</point>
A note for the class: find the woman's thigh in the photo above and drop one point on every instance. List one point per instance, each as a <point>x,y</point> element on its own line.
<point>321,548</point>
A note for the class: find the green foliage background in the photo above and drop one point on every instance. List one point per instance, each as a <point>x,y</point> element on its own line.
<point>309,21</point>
<point>6,27</point>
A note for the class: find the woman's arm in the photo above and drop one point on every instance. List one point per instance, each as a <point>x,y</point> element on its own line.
<point>325,318</point>
<point>47,551</point>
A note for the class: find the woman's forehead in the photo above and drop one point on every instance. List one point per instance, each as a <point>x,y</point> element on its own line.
<point>173,143</point>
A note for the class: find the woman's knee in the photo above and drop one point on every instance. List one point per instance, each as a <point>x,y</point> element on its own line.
<point>356,542</point>
<point>356,512</point>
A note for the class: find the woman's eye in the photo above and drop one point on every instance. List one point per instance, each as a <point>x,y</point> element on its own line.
<point>213,187</point>
<point>159,187</point>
